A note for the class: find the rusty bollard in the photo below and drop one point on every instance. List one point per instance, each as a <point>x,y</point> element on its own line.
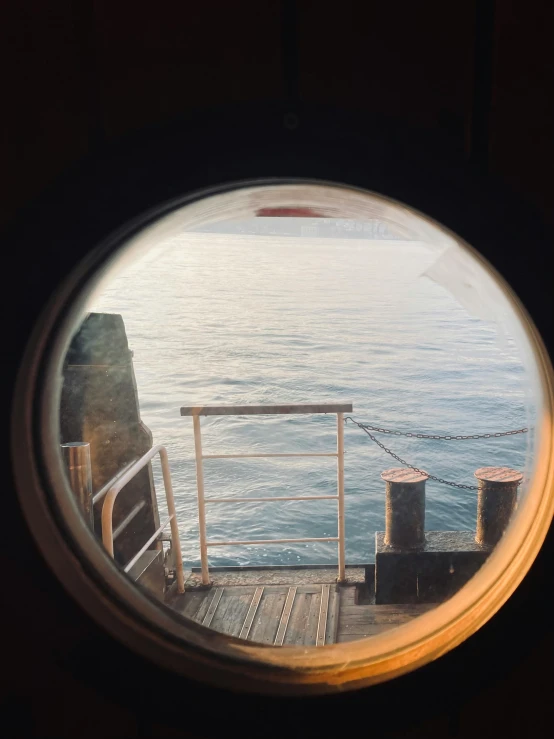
<point>404,508</point>
<point>496,501</point>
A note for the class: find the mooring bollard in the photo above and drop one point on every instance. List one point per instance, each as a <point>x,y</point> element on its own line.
<point>77,461</point>
<point>405,508</point>
<point>496,501</point>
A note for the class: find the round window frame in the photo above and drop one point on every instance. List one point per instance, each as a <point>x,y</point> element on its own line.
<point>137,620</point>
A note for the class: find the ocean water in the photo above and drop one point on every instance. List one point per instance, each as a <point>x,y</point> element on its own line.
<point>220,319</point>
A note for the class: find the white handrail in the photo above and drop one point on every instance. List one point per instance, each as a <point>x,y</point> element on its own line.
<point>272,499</point>
<point>336,408</point>
<point>115,489</point>
<point>103,490</point>
<point>254,456</point>
<point>265,410</point>
<point>268,541</point>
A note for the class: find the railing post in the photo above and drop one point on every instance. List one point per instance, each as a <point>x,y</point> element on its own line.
<point>496,502</point>
<point>340,493</point>
<point>201,504</point>
<point>176,542</point>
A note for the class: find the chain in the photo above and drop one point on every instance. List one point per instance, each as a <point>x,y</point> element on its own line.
<point>366,428</point>
<point>446,437</point>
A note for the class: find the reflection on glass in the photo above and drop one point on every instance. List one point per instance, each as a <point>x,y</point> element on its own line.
<point>305,425</point>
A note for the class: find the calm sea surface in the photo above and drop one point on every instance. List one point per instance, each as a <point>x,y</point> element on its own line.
<point>253,319</point>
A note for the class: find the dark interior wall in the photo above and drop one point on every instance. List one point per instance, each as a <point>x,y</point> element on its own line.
<point>77,74</point>
<point>151,66</point>
<point>522,109</point>
<point>44,116</point>
<point>411,60</point>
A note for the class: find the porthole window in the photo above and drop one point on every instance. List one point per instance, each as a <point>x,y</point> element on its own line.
<point>299,432</point>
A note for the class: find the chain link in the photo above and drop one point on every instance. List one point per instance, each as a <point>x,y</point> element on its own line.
<point>367,429</point>
<point>446,437</point>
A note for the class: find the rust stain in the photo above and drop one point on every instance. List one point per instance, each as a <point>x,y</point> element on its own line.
<point>498,474</point>
<point>402,475</point>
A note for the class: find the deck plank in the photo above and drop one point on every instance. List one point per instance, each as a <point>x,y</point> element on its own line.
<point>296,627</point>
<point>309,589</point>
<point>192,602</point>
<point>228,610</point>
<point>363,632</point>
<point>232,610</point>
<point>312,620</point>
<point>375,631</point>
<point>204,605</point>
<point>347,596</point>
<point>268,615</point>
<point>356,622</point>
<point>376,614</point>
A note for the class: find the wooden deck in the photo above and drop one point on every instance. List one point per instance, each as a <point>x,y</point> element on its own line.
<point>310,615</point>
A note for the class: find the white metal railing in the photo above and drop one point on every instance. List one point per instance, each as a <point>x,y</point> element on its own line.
<point>250,410</point>
<point>112,490</point>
